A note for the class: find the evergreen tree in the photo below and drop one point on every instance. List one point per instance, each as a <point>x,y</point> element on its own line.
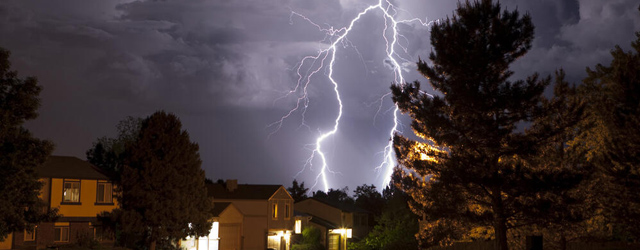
<point>474,168</point>
<point>610,137</point>
<point>164,198</point>
<point>20,152</point>
<point>297,191</point>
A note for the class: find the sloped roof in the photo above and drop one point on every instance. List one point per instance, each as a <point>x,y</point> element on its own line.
<point>322,222</point>
<point>339,205</point>
<point>243,192</point>
<point>69,167</point>
<point>219,207</point>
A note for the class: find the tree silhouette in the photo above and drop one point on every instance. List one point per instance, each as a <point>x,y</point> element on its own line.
<point>473,167</point>
<point>297,191</point>
<point>20,152</point>
<point>163,187</point>
<point>109,153</point>
<point>611,139</point>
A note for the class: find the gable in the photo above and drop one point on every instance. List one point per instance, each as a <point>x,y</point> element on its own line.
<point>281,194</point>
<point>230,214</point>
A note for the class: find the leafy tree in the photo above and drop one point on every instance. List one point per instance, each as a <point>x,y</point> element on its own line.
<point>109,153</point>
<point>298,191</point>
<point>611,140</point>
<point>162,185</point>
<point>368,198</point>
<point>20,152</point>
<point>311,240</point>
<point>335,195</point>
<point>396,225</point>
<point>473,168</point>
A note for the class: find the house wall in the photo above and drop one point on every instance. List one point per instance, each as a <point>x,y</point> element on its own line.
<point>324,211</point>
<point>283,222</point>
<point>77,217</point>
<point>87,206</point>
<point>231,227</point>
<point>6,242</point>
<point>254,226</point>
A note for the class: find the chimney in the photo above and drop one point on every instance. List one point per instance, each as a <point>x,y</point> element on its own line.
<point>232,185</point>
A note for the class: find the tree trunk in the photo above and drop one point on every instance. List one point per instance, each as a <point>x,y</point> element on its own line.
<point>152,246</point>
<point>499,220</point>
<point>501,232</point>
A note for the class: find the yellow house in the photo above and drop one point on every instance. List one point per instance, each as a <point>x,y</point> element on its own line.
<point>267,212</point>
<point>80,192</point>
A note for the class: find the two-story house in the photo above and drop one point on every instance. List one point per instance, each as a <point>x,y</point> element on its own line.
<point>267,212</point>
<point>338,222</point>
<point>80,192</point>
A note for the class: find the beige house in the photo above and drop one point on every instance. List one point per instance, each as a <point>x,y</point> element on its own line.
<point>338,222</point>
<point>80,192</point>
<point>225,233</point>
<point>267,213</point>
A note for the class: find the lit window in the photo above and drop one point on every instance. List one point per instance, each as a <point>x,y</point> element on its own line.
<point>287,211</point>
<point>274,210</point>
<point>104,193</point>
<point>71,191</point>
<point>61,234</point>
<point>30,236</point>
<point>215,230</point>
<point>298,226</point>
<point>273,241</point>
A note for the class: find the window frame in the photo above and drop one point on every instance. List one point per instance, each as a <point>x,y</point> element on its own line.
<point>71,181</point>
<point>287,210</point>
<point>33,235</point>
<point>274,210</point>
<point>104,202</point>
<point>57,237</point>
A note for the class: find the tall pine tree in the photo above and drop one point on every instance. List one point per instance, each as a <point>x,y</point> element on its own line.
<point>474,168</point>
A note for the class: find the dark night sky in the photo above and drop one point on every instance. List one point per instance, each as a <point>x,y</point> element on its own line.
<point>221,66</point>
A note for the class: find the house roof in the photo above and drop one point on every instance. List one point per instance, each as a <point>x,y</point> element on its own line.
<point>340,205</point>
<point>219,207</point>
<point>242,192</point>
<point>69,167</point>
<point>324,223</point>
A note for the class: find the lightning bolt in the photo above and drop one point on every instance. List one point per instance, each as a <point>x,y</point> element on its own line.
<point>313,64</point>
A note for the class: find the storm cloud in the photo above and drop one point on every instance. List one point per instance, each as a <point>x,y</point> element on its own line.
<point>224,68</point>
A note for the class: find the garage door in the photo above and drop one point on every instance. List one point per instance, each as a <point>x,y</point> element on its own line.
<point>229,236</point>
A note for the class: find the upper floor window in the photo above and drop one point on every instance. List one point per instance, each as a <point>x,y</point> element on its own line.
<point>274,210</point>
<point>104,194</point>
<point>71,191</point>
<point>287,211</point>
